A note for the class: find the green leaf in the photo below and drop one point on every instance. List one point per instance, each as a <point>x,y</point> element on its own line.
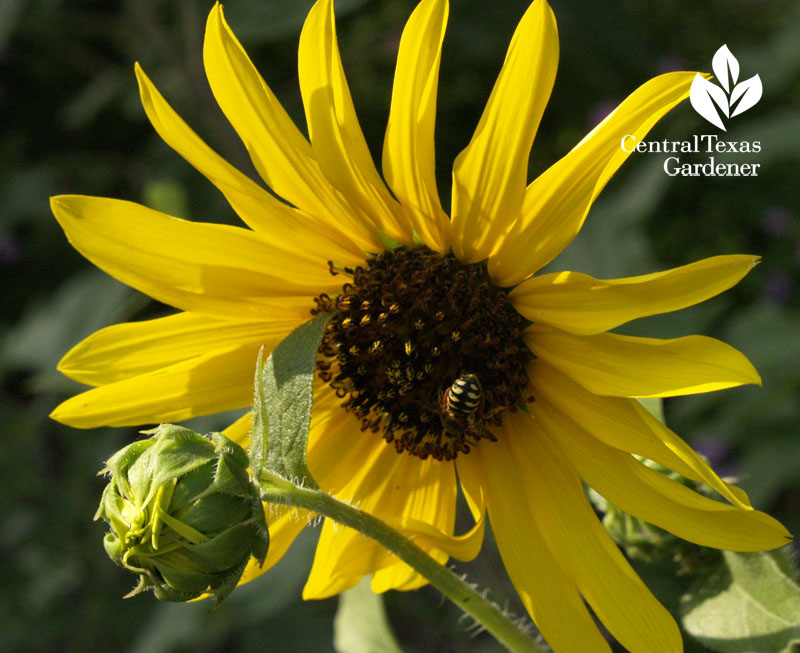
<point>361,625</point>
<point>750,606</point>
<point>282,406</point>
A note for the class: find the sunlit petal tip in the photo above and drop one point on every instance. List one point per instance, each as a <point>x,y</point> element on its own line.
<point>408,150</point>
<point>337,140</point>
<point>64,415</point>
<point>62,205</point>
<point>69,211</point>
<point>582,305</point>
<point>628,366</point>
<point>216,25</point>
<point>490,174</point>
<point>66,365</point>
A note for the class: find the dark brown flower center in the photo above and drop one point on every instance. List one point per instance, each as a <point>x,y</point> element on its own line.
<point>425,351</point>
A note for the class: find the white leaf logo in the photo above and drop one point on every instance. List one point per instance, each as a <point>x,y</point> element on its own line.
<point>709,100</point>
<point>725,68</point>
<point>703,95</point>
<point>750,92</point>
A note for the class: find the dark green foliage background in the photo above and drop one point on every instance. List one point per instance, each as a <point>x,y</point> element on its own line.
<point>72,123</point>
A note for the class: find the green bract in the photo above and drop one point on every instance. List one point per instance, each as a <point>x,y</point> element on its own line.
<point>184,513</point>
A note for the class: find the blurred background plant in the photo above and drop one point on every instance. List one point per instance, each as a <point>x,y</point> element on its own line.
<point>72,123</point>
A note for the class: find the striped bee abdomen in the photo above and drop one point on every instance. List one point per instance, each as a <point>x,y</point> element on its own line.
<point>463,397</point>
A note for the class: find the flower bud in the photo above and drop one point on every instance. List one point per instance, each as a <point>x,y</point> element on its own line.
<point>184,513</point>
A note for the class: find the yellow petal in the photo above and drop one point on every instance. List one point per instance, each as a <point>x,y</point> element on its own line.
<point>439,545</point>
<point>347,463</point>
<point>408,152</point>
<point>363,470</point>
<point>489,176</point>
<point>279,152</point>
<point>218,381</point>
<point>626,366</point>
<point>464,547</point>
<point>336,138</point>
<point>125,350</point>
<point>549,595</point>
<point>470,477</point>
<point>334,431</point>
<point>282,224</point>
<point>556,203</point>
<point>590,558</point>
<point>653,497</point>
<point>583,305</point>
<point>391,487</point>
<point>625,425</point>
<point>211,269</point>
<point>343,555</point>
<point>399,577</point>
<point>342,558</point>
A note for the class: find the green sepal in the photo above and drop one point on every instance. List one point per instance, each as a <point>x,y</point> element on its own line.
<point>192,485</point>
<point>228,447</point>
<point>227,583</point>
<point>177,452</point>
<point>164,592</point>
<point>121,461</point>
<point>261,543</point>
<point>186,582</point>
<point>214,512</point>
<point>224,550</point>
<point>113,546</point>
<point>231,475</point>
<point>282,406</point>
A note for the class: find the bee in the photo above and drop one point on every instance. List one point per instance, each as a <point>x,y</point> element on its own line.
<point>461,409</point>
<point>463,399</point>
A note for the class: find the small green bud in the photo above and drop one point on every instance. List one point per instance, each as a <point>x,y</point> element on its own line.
<point>184,513</point>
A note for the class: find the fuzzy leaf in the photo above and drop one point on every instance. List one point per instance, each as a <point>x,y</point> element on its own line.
<point>282,406</point>
<point>750,606</point>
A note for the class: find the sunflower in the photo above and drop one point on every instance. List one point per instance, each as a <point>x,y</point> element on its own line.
<point>448,362</point>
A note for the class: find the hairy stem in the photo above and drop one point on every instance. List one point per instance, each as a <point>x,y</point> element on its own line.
<point>508,633</point>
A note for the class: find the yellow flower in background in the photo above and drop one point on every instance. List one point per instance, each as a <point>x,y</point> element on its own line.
<point>447,361</point>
